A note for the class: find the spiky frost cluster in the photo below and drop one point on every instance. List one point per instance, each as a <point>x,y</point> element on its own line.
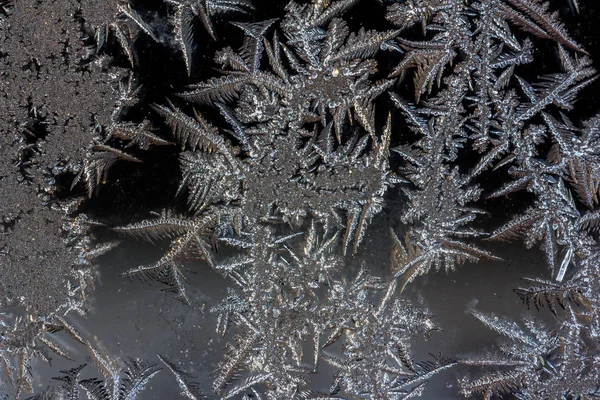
<point>483,106</point>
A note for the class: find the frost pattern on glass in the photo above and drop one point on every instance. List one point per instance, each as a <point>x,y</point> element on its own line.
<point>285,161</point>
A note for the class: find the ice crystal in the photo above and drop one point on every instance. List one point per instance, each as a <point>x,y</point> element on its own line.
<point>537,362</point>
<point>24,340</point>
<point>186,11</point>
<point>283,290</point>
<point>125,383</point>
<point>188,387</point>
<point>271,124</point>
<point>190,240</point>
<point>124,380</point>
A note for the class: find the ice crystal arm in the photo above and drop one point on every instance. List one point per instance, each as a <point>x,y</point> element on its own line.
<point>137,375</point>
<point>438,217</point>
<point>493,384</point>
<point>503,326</point>
<point>137,134</point>
<point>70,384</point>
<point>55,347</point>
<point>184,34</point>
<point>323,14</point>
<point>94,170</point>
<point>558,89</point>
<point>555,207</point>
<point>364,44</point>
<point>157,229</point>
<point>125,40</point>
<point>133,15</point>
<point>190,241</point>
<point>533,16</point>
<point>192,133</point>
<point>429,62</point>
<point>548,294</point>
<point>576,151</point>
<point>189,387</point>
<point>107,366</point>
<point>232,306</point>
<point>245,384</point>
<point>253,46</point>
<point>208,179</point>
<point>533,354</point>
<point>446,253</point>
<point>183,21</point>
<point>222,89</point>
<point>124,383</point>
<point>238,129</point>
